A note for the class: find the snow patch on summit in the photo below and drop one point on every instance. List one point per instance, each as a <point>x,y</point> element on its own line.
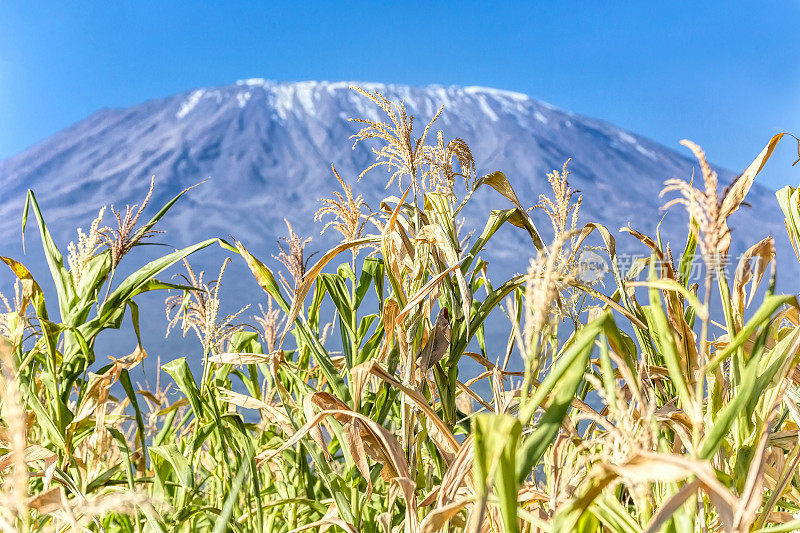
<point>243,98</point>
<point>190,103</point>
<point>497,93</point>
<point>644,151</point>
<point>630,139</point>
<point>294,99</point>
<point>487,110</point>
<point>254,82</point>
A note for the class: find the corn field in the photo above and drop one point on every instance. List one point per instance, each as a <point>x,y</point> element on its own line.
<point>348,408</point>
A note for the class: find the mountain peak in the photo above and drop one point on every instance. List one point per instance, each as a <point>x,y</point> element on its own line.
<point>301,95</point>
<point>267,147</point>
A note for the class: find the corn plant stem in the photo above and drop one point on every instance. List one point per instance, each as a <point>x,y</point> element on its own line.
<point>407,415</point>
<point>701,513</point>
<point>108,285</point>
<point>354,341</point>
<point>737,359</point>
<point>532,365</point>
<point>202,385</point>
<point>700,372</point>
<point>52,384</point>
<point>408,420</point>
<point>342,503</point>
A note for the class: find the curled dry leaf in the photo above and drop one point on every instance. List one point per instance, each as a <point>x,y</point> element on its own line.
<point>438,342</point>
<point>355,443</point>
<point>736,192</point>
<point>33,453</point>
<point>751,269</point>
<point>440,516</point>
<point>439,432</point>
<point>48,501</point>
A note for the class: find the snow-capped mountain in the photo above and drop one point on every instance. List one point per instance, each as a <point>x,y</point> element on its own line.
<point>266,149</point>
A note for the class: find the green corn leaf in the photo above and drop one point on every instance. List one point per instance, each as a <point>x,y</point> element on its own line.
<point>55,261</point>
<point>371,274</point>
<point>496,219</point>
<point>688,255</point>
<point>177,461</point>
<point>496,438</point>
<point>263,276</point>
<point>492,301</point>
<point>715,436</point>
<point>142,280</point>
<point>613,514</point>
<point>788,201</point>
<point>221,525</point>
<point>316,304</point>
<point>163,211</point>
<point>125,380</point>
<point>561,385</point>
<point>180,372</point>
<point>50,428</point>
<point>665,339</point>
<point>122,444</point>
<point>759,319</point>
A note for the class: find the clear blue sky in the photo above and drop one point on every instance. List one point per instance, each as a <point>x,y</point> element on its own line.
<point>726,74</point>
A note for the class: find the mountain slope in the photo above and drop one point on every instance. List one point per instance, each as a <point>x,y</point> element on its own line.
<point>266,150</point>
<point>267,147</point>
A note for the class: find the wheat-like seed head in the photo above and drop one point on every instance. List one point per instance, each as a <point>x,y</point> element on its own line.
<point>547,276</point>
<point>402,154</point>
<point>270,322</point>
<point>561,210</point>
<point>123,238</point>
<point>198,310</point>
<point>349,218</point>
<point>627,428</point>
<point>294,258</point>
<point>631,429</point>
<point>84,251</point>
<point>440,174</point>
<point>705,207</point>
<point>79,513</point>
